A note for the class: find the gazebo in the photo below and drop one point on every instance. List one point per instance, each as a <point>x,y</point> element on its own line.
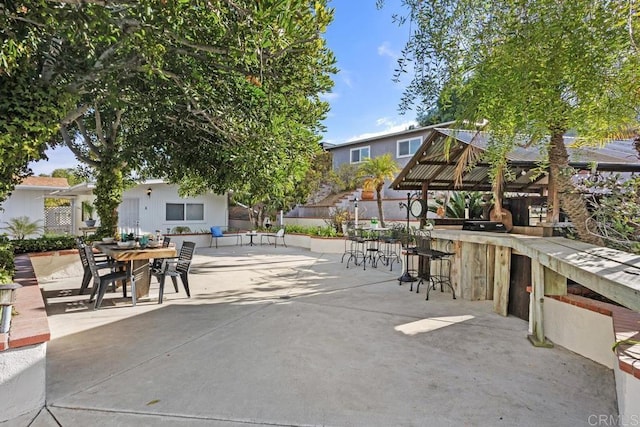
<point>432,168</point>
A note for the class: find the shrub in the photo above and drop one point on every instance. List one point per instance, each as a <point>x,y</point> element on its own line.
<point>300,229</point>
<point>43,244</point>
<point>7,264</point>
<point>5,277</point>
<point>328,231</point>
<point>181,229</point>
<point>337,216</point>
<point>346,177</point>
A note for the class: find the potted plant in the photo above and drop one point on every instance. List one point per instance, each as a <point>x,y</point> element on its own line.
<point>368,189</point>
<point>88,209</point>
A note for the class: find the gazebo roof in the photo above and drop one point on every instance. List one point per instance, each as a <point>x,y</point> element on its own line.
<point>431,166</point>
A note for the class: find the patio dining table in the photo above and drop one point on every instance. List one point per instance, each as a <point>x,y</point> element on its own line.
<point>138,260</point>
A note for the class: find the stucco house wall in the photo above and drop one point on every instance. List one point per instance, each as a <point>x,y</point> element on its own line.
<point>380,145</point>
<point>27,199</point>
<point>146,211</point>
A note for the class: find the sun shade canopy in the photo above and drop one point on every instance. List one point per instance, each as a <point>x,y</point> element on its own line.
<point>432,167</point>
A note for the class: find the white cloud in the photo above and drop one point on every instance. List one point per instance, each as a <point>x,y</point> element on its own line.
<point>390,126</point>
<point>385,121</point>
<point>345,76</point>
<point>329,96</point>
<point>385,50</point>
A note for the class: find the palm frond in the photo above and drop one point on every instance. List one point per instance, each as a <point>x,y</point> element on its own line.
<point>468,159</point>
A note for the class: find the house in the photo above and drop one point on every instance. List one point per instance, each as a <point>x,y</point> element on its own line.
<point>27,199</point>
<point>402,146</point>
<point>155,205</point>
<point>149,206</point>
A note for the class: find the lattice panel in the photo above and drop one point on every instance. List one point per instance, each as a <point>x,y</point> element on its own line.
<point>58,219</point>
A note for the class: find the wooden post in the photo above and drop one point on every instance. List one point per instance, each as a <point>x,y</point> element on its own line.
<point>501,280</point>
<point>473,280</point>
<point>536,315</point>
<point>425,197</point>
<point>491,271</point>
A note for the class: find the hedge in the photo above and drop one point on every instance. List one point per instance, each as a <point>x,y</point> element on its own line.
<point>43,244</point>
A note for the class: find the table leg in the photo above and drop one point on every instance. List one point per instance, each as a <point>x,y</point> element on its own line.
<point>140,279</point>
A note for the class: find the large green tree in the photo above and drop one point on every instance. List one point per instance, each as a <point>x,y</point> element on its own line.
<point>30,107</point>
<point>532,67</point>
<point>211,94</point>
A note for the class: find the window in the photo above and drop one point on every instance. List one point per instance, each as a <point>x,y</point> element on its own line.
<point>408,147</point>
<point>359,154</point>
<point>185,211</point>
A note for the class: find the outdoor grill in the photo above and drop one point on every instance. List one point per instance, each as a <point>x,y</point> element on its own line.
<point>477,225</point>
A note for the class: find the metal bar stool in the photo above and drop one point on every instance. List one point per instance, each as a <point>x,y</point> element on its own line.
<point>353,247</point>
<point>437,268</point>
<point>409,249</point>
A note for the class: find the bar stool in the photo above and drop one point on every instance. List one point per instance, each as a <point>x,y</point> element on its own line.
<point>441,260</point>
<point>353,246</point>
<point>391,248</point>
<point>409,249</point>
<point>371,248</point>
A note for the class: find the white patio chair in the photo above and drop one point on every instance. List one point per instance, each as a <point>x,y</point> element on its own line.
<point>275,236</point>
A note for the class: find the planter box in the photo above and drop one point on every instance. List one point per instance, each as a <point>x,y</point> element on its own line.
<point>327,245</point>
<point>333,245</point>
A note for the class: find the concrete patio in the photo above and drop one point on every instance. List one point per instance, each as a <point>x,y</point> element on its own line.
<point>290,337</point>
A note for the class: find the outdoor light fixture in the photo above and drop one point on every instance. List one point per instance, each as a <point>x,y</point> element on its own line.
<point>149,190</point>
<point>355,200</point>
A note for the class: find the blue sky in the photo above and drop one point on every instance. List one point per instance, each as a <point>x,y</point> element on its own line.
<point>364,100</point>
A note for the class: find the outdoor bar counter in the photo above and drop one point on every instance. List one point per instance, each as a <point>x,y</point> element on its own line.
<point>481,266</point>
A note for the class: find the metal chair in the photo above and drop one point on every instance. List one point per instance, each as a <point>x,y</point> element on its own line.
<point>215,233</point>
<point>156,264</point>
<point>176,267</point>
<point>276,236</point>
<point>102,262</point>
<point>100,283</point>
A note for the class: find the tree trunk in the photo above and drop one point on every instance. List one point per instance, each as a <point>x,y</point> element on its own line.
<point>108,191</point>
<point>379,202</point>
<point>565,194</point>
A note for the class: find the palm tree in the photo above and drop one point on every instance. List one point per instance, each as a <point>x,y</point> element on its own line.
<point>375,171</point>
<point>21,226</point>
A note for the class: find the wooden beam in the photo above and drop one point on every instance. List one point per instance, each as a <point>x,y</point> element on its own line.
<point>554,283</point>
<point>501,280</point>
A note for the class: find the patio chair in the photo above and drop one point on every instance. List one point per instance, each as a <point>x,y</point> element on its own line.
<point>215,233</point>
<point>353,246</point>
<point>102,262</point>
<point>176,267</point>
<point>100,283</point>
<point>156,264</point>
<point>278,235</point>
